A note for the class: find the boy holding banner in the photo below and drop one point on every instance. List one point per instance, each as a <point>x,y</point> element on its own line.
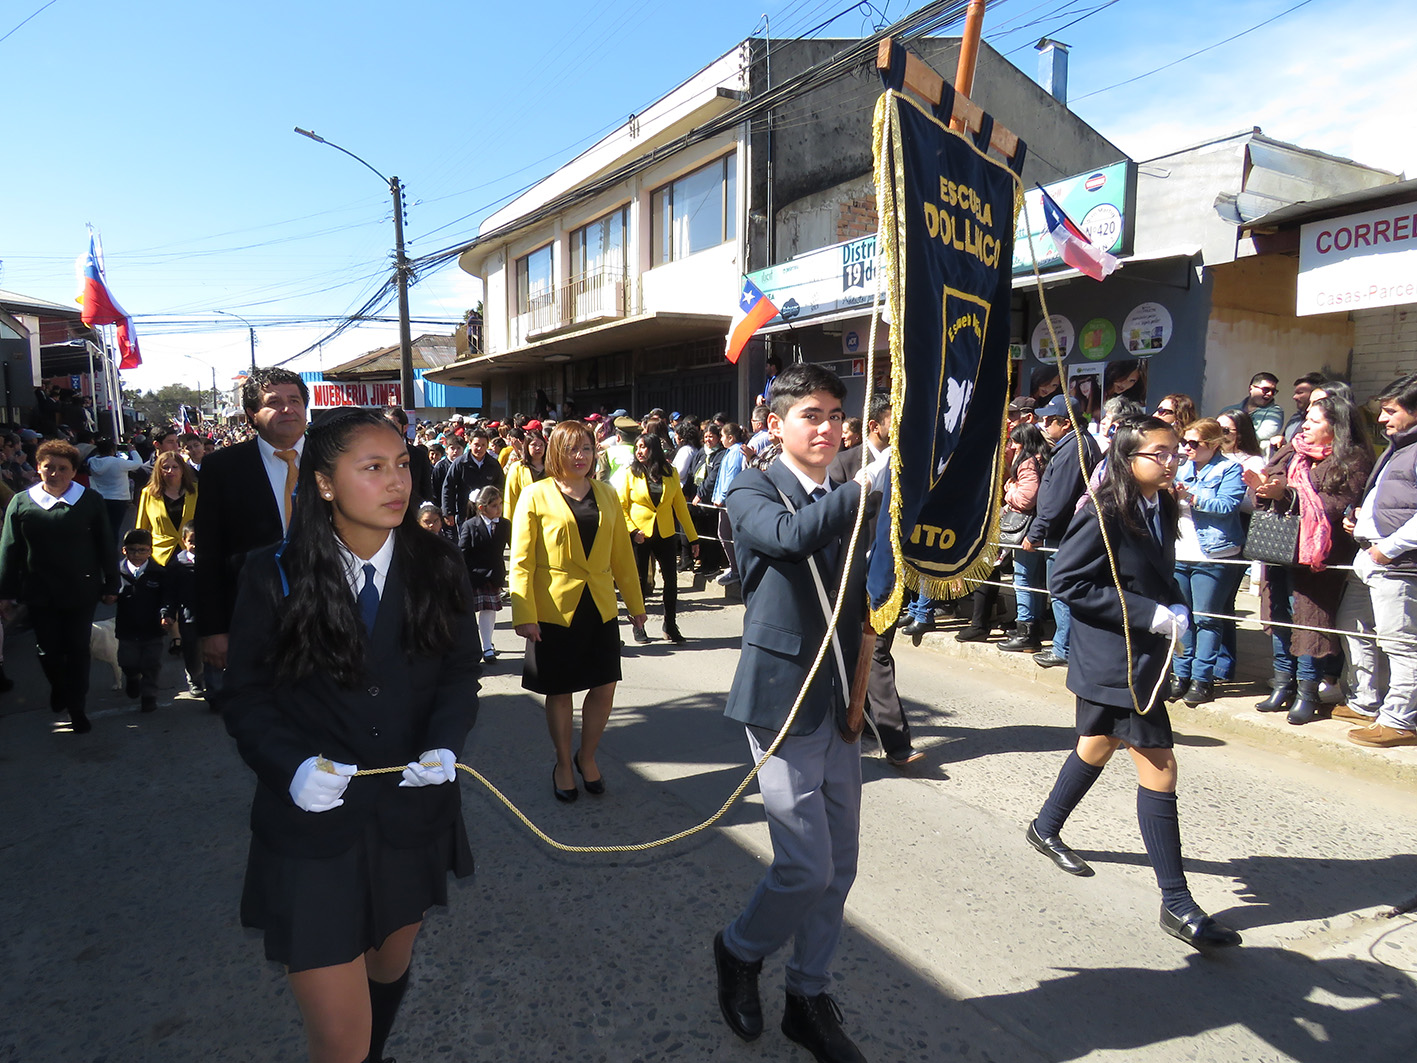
<point>792,525</point>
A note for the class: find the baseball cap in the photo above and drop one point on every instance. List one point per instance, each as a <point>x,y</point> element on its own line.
<point>1057,406</point>
<point>1023,404</point>
<point>618,413</point>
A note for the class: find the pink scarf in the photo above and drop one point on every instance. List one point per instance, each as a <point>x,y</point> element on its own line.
<point>1315,532</point>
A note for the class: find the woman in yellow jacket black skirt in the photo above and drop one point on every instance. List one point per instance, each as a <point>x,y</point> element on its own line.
<point>652,499</point>
<point>570,550</point>
<point>1113,676</point>
<point>352,644</point>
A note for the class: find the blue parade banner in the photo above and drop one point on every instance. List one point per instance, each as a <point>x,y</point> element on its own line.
<point>947,218</point>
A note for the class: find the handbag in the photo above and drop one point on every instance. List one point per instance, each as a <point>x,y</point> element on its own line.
<point>1013,526</point>
<point>1274,537</point>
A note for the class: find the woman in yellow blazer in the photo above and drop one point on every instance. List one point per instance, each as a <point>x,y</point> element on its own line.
<point>570,550</point>
<point>529,470</point>
<point>652,498</point>
<point>167,502</point>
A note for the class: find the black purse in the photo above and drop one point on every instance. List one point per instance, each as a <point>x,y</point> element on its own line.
<point>1274,536</point>
<point>1013,526</point>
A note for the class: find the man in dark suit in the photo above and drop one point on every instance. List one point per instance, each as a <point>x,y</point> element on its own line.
<point>245,498</point>
<point>792,525</point>
<point>420,464</point>
<point>882,697</point>
<point>476,469</point>
<point>1064,481</point>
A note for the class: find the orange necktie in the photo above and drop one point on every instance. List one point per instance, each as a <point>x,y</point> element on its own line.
<point>291,472</point>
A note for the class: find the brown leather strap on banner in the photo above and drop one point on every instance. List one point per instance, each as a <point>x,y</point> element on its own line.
<point>856,704</point>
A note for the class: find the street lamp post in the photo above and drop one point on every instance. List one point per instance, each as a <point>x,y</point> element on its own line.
<point>249,328</point>
<point>400,271</point>
<point>194,358</point>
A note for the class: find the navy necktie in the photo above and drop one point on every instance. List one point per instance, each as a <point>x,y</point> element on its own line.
<point>1154,519</point>
<point>368,599</point>
<point>830,553</point>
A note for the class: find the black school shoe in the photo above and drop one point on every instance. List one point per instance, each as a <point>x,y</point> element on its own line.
<point>738,991</point>
<point>1198,930</point>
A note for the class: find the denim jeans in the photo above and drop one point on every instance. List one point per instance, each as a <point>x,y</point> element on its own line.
<point>1029,566</point>
<point>1062,617</point>
<point>922,609</point>
<point>1281,595</point>
<point>1206,587</point>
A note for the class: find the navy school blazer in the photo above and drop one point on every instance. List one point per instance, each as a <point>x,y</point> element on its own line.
<point>783,621</point>
<point>403,706</point>
<point>1082,580</point>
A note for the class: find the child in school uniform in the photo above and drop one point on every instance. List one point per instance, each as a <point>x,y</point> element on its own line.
<point>483,539</point>
<point>182,588</point>
<point>142,618</point>
<point>787,520</point>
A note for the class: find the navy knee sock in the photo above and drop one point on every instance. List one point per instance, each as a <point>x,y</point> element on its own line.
<point>1161,834</point>
<point>384,1001</point>
<point>1074,781</point>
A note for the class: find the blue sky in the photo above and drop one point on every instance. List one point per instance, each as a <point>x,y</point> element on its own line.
<point>168,126</point>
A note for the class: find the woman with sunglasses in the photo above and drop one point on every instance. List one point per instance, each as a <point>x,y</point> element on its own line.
<point>1177,410</point>
<point>1112,675</point>
<point>352,645</point>
<point>1211,494</point>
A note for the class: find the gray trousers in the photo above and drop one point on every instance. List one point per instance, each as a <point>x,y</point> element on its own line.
<point>1382,602</point>
<point>144,657</point>
<point>812,794</point>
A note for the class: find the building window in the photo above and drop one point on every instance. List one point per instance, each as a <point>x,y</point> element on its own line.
<point>600,246</point>
<point>536,282</point>
<point>697,211</point>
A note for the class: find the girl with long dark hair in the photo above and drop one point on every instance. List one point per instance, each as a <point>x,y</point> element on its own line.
<point>1113,676</point>
<point>1031,450</point>
<point>352,644</point>
<point>652,498</point>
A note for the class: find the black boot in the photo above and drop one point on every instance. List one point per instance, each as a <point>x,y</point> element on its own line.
<point>1177,689</point>
<point>1282,696</point>
<point>384,1001</point>
<point>815,1024</point>
<point>1023,640</point>
<point>1308,708</point>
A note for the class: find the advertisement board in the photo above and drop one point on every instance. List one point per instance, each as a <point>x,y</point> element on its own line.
<point>827,279</point>
<point>1103,204</point>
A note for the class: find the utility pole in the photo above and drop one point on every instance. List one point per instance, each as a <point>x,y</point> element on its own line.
<point>251,329</point>
<point>401,275</point>
<point>401,271</point>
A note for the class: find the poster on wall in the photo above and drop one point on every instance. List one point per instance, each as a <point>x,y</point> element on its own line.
<point>1147,330</point>
<point>1097,339</point>
<point>1085,388</point>
<point>1043,341</point>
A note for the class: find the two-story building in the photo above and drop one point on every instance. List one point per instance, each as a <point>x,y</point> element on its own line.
<point>612,281</point>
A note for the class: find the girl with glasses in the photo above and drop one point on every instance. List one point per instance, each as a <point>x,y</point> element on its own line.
<point>1211,494</point>
<point>1139,513</point>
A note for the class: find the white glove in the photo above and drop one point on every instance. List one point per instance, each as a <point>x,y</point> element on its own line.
<point>418,774</point>
<point>1170,620</point>
<point>316,790</point>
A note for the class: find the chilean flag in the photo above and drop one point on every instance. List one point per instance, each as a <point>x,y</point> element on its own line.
<point>1073,244</point>
<point>754,311</point>
<point>100,308</point>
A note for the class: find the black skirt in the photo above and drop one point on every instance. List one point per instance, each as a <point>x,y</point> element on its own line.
<point>575,658</point>
<point>1152,731</point>
<point>325,911</point>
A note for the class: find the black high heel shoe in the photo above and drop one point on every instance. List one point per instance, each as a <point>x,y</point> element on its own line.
<point>564,796</point>
<point>592,786</point>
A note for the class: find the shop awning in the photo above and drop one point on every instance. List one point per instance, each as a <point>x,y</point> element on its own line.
<point>641,330</point>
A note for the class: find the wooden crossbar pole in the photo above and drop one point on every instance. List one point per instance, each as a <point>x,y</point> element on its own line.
<point>928,85</point>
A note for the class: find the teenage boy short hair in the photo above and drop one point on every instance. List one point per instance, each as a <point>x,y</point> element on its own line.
<point>138,537</point>
<point>801,379</point>
<point>189,528</point>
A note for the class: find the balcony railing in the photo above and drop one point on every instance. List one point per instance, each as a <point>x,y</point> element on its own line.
<point>587,299</point>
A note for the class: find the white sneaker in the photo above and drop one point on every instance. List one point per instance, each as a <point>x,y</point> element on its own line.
<point>726,577</point>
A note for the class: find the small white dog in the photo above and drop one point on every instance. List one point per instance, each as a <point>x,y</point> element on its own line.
<point>103,646</point>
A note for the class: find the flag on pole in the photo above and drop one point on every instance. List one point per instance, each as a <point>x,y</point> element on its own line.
<point>100,308</point>
<point>1073,244</point>
<point>754,311</point>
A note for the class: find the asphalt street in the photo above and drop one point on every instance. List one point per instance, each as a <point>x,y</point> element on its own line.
<point>123,853</point>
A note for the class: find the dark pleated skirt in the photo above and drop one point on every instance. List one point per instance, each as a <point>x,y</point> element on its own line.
<point>324,911</point>
<point>1152,731</point>
<point>575,658</point>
